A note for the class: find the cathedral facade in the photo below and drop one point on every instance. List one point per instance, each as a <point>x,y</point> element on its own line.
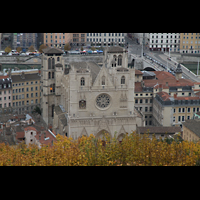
<point>88,99</point>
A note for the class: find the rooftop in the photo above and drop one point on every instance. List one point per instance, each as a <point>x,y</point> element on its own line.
<point>193,125</point>
<point>115,49</point>
<point>27,77</point>
<point>159,129</point>
<point>50,50</point>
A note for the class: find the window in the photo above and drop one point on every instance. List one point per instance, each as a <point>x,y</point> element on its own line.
<point>52,74</point>
<point>183,110</point>
<point>123,80</point>
<point>179,109</point>
<point>49,75</point>
<point>140,100</point>
<point>136,100</point>
<point>188,110</point>
<point>82,81</point>
<point>146,109</point>
<point>150,109</point>
<point>146,100</point>
<point>53,63</point>
<point>174,110</point>
<point>103,80</point>
<point>58,58</point>
<point>31,88</point>
<point>179,118</point>
<point>183,118</point>
<point>49,63</point>
<point>119,60</point>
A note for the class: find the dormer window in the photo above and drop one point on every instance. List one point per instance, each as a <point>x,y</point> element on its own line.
<point>82,81</point>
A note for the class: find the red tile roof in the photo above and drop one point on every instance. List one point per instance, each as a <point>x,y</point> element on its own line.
<point>160,75</point>
<point>164,95</point>
<point>3,77</point>
<point>138,87</point>
<point>20,135</point>
<point>42,139</point>
<point>138,72</point>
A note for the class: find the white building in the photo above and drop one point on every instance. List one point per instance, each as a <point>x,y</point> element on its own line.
<point>105,39</point>
<point>164,42</point>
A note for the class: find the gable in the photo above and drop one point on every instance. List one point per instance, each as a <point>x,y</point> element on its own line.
<point>98,81</point>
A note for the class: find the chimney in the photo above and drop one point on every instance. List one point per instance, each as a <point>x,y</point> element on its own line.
<point>175,96</point>
<point>160,87</point>
<point>167,84</point>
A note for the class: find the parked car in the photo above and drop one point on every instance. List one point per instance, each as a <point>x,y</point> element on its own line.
<point>99,51</point>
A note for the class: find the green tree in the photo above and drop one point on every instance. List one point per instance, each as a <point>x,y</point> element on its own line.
<point>42,46</point>
<point>8,49</point>
<point>37,110</point>
<point>67,47</point>
<point>92,48</point>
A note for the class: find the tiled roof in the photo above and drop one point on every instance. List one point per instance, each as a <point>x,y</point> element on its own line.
<point>159,129</point>
<point>138,87</point>
<point>162,75</point>
<point>28,77</point>
<point>138,72</point>
<point>164,96</point>
<point>42,138</point>
<point>116,49</point>
<point>193,125</point>
<point>50,50</point>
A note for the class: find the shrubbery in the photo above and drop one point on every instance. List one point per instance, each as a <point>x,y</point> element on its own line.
<point>134,150</point>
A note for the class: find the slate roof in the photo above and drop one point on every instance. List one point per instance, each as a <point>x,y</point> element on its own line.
<point>50,50</point>
<point>92,66</point>
<point>193,125</point>
<point>28,77</point>
<point>178,69</point>
<point>159,129</point>
<point>115,49</point>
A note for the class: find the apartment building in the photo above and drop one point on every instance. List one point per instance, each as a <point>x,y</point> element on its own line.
<point>24,40</point>
<point>189,42</point>
<point>5,95</point>
<point>105,39</point>
<point>77,39</point>
<point>56,39</point>
<point>164,42</point>
<point>25,90</point>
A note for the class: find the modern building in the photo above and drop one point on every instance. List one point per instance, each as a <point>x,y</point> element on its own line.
<point>106,39</point>
<point>189,42</point>
<point>25,90</point>
<point>24,40</point>
<point>5,95</point>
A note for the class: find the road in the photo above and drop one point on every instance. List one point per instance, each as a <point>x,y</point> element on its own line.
<point>134,48</point>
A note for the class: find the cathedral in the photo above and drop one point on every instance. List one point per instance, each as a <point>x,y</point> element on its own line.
<point>86,98</point>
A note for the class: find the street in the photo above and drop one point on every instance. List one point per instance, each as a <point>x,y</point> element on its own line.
<point>134,48</point>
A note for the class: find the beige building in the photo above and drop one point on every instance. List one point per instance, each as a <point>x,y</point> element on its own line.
<point>25,90</point>
<point>191,130</point>
<point>89,99</point>
<point>60,39</point>
<point>189,42</point>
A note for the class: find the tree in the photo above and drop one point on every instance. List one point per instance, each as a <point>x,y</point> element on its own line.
<point>92,48</point>
<point>42,46</point>
<point>8,49</point>
<point>37,110</point>
<point>67,47</point>
<point>31,48</point>
<point>19,49</point>
<point>81,48</point>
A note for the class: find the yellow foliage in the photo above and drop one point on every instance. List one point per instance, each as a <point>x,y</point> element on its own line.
<point>134,150</point>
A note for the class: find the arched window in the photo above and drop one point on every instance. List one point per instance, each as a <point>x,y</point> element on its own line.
<point>49,75</point>
<point>123,80</point>
<point>53,63</point>
<point>103,80</point>
<point>52,74</point>
<point>119,60</point>
<point>49,63</point>
<point>82,81</point>
<point>52,107</point>
<point>82,104</point>
<point>52,88</point>
<point>58,58</point>
<point>115,58</point>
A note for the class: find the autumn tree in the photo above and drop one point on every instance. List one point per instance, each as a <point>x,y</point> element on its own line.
<point>92,48</point>
<point>42,46</point>
<point>19,49</point>
<point>67,47</point>
<point>31,48</point>
<point>8,49</point>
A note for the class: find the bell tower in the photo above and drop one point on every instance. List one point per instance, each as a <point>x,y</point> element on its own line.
<point>49,98</point>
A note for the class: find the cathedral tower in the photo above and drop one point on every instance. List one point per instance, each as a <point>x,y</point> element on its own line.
<point>52,67</point>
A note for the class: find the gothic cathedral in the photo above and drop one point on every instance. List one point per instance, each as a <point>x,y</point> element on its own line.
<point>85,98</point>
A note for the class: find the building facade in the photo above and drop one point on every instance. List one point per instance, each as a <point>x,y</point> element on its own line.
<point>105,39</point>
<point>164,42</point>
<point>88,99</point>
<point>189,42</point>
<point>5,95</point>
<point>25,90</point>
<point>24,40</point>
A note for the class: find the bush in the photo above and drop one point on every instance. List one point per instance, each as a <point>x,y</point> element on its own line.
<point>134,150</point>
